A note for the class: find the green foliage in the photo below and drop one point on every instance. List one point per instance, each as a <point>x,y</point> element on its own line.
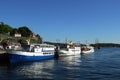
<point>109,45</point>
<point>1,39</point>
<point>8,40</point>
<point>22,41</point>
<point>14,30</point>
<point>4,28</point>
<point>39,38</point>
<point>106,45</point>
<point>25,31</point>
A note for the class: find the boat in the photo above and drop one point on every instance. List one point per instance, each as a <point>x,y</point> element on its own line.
<point>33,52</point>
<point>87,49</point>
<point>70,50</point>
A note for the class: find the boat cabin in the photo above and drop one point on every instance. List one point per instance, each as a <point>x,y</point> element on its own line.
<point>41,47</point>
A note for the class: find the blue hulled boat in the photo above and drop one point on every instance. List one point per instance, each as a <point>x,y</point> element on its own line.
<point>34,52</point>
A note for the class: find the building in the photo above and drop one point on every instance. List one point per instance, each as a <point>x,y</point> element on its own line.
<point>17,35</point>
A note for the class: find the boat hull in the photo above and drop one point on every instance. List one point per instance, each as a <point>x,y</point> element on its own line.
<point>89,51</point>
<point>69,53</point>
<point>21,58</point>
<point>34,52</point>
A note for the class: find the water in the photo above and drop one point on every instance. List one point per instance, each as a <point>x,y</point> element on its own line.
<point>103,64</point>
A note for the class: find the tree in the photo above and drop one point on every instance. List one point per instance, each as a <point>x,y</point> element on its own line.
<point>4,28</point>
<point>22,41</point>
<point>15,30</point>
<point>1,39</point>
<point>39,38</point>
<point>25,31</point>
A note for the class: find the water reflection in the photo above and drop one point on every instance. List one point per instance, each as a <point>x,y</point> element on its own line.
<point>101,65</point>
<point>64,66</point>
<point>70,59</point>
<point>33,70</point>
<point>88,57</point>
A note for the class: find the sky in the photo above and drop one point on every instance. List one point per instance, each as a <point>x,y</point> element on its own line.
<point>58,20</point>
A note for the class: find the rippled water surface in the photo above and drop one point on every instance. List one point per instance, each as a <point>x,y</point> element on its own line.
<point>103,64</point>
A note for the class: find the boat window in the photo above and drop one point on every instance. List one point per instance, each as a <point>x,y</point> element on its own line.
<point>37,46</point>
<point>47,53</point>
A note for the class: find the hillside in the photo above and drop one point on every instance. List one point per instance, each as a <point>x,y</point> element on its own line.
<point>8,33</point>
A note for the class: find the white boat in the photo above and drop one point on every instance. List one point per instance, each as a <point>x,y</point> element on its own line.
<point>70,50</point>
<point>87,49</point>
<point>34,52</point>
